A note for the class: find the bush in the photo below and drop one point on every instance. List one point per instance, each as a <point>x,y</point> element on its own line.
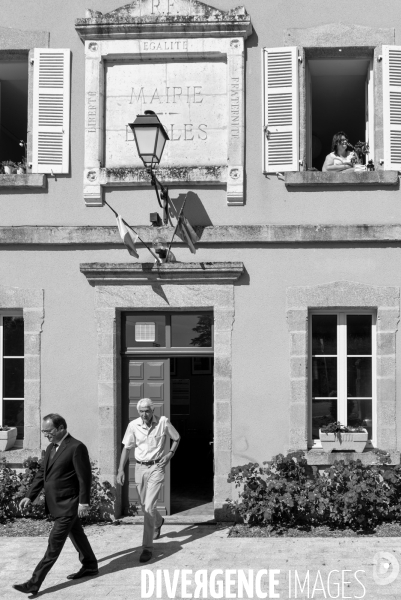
<point>285,493</point>
<point>9,486</point>
<point>14,486</point>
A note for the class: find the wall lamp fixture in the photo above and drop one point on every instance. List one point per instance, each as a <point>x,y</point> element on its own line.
<point>150,138</point>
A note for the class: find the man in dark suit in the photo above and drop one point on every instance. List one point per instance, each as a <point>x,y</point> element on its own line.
<point>65,475</point>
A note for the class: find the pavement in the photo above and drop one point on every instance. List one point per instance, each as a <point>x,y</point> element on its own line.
<point>200,560</point>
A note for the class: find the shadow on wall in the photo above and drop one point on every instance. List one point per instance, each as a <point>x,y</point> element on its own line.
<point>194,210</point>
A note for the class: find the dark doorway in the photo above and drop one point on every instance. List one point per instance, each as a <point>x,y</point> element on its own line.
<point>191,393</point>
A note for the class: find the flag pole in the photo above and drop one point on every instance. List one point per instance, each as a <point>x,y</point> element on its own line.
<point>132,229</point>
<point>178,222</point>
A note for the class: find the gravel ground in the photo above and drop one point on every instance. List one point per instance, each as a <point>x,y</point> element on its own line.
<point>385,530</point>
<point>26,527</point>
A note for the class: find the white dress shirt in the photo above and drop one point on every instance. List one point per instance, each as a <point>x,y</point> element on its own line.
<point>149,441</point>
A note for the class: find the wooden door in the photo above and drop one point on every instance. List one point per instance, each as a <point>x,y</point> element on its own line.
<point>147,378</point>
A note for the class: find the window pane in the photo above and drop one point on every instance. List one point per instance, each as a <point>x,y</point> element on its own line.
<point>359,412</point>
<point>359,334</point>
<point>324,377</point>
<point>191,330</point>
<point>359,377</point>
<point>324,334</point>
<point>13,336</point>
<point>13,378</point>
<point>13,415</point>
<point>323,412</point>
<point>134,333</point>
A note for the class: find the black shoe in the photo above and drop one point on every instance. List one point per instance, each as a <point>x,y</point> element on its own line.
<point>156,534</point>
<point>145,556</point>
<point>26,588</point>
<point>83,572</point>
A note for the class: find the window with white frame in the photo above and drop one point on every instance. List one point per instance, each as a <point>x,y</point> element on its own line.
<point>12,370</point>
<point>342,370</point>
<point>339,95</point>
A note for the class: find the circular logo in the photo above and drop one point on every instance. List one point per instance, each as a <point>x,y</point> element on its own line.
<point>385,568</point>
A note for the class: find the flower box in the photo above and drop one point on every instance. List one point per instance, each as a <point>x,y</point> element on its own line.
<point>7,438</point>
<point>339,440</point>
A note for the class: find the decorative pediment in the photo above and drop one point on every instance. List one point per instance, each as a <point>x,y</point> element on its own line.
<point>172,18</point>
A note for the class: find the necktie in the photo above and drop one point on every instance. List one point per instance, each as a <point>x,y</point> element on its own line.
<point>53,451</point>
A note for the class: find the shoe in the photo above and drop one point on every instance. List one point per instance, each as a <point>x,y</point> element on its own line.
<point>156,534</point>
<point>26,588</point>
<point>83,572</point>
<point>145,556</point>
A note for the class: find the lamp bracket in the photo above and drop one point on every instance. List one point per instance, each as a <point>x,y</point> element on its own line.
<point>162,194</point>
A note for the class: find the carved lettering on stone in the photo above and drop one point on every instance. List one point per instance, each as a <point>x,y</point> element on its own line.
<point>188,96</point>
<point>92,112</point>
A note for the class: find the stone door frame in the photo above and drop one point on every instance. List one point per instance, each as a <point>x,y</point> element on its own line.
<point>114,294</point>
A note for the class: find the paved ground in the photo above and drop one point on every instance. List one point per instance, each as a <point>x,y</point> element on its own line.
<point>318,564</point>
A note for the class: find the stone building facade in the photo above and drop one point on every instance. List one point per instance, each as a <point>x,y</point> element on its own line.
<point>294,289</point>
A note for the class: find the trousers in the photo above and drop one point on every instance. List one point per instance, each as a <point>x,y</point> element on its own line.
<point>63,528</point>
<point>149,480</point>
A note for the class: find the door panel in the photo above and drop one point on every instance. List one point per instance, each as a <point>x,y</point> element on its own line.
<point>147,378</point>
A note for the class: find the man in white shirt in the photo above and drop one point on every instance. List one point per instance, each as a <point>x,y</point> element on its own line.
<point>147,435</point>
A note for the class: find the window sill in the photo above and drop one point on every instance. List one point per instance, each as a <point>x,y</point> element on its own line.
<point>343,179</point>
<point>29,180</point>
<point>320,458</point>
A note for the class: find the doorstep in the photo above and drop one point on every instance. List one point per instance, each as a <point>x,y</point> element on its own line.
<point>177,519</point>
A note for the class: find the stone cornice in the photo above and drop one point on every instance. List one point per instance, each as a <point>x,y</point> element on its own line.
<point>189,18</point>
<point>221,234</point>
<point>150,273</point>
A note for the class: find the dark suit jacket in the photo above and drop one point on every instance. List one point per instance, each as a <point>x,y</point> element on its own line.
<point>66,479</point>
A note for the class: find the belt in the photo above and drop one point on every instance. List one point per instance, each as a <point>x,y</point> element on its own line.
<point>147,462</point>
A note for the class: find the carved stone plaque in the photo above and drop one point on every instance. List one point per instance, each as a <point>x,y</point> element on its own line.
<point>190,99</point>
<point>185,61</point>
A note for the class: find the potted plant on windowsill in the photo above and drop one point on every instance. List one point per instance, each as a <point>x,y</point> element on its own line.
<point>361,150</point>
<point>335,436</point>
<point>9,167</point>
<point>21,167</point>
<point>8,435</point>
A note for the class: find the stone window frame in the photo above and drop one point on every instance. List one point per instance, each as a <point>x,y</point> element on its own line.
<point>124,287</point>
<point>14,45</point>
<point>343,295</point>
<point>355,41</point>
<point>31,302</point>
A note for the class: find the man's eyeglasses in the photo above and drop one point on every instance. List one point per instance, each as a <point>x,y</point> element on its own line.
<point>47,431</point>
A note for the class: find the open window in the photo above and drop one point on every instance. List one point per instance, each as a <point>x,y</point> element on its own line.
<point>35,109</point>
<point>339,97</point>
<point>309,94</point>
<point>13,106</point>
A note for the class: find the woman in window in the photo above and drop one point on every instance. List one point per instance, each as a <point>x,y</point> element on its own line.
<point>340,159</point>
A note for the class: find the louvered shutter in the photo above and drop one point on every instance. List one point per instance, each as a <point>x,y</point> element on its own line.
<point>392,107</point>
<point>281,110</point>
<point>51,110</point>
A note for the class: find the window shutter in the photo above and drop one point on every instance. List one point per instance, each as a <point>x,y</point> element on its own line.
<point>281,111</point>
<point>392,107</point>
<point>51,110</point>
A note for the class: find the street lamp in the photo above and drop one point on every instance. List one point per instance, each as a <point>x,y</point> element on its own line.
<point>150,138</point>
